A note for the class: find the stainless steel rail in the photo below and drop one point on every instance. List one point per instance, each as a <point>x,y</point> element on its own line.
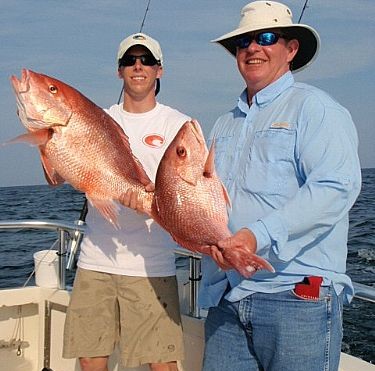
<point>68,232</point>
<point>194,278</point>
<point>39,224</point>
<point>364,292</point>
<point>64,231</point>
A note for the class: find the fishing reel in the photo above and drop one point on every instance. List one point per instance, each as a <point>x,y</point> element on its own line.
<point>73,247</point>
<point>76,240</point>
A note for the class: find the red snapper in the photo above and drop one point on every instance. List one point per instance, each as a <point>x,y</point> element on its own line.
<point>78,142</point>
<point>190,201</point>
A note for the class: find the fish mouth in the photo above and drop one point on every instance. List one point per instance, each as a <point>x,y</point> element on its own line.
<point>195,128</point>
<point>23,84</point>
<point>21,87</point>
<point>28,114</point>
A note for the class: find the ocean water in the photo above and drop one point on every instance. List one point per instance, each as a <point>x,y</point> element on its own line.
<point>64,203</point>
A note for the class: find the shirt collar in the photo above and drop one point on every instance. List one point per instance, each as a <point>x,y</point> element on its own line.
<point>268,94</point>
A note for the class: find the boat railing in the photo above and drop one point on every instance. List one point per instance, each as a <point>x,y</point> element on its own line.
<point>69,235</point>
<point>66,232</point>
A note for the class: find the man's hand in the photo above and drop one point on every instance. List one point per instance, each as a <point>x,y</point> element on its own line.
<point>238,252</point>
<point>243,240</point>
<point>130,199</point>
<point>217,254</point>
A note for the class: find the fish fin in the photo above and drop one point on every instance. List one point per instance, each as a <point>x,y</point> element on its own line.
<point>209,171</point>
<point>249,265</point>
<point>157,204</point>
<point>244,261</point>
<point>34,138</point>
<point>52,176</point>
<point>138,201</point>
<point>226,196</point>
<point>107,208</point>
<point>155,212</point>
<point>140,172</point>
<point>197,130</point>
<point>209,166</point>
<point>189,175</point>
<point>262,263</point>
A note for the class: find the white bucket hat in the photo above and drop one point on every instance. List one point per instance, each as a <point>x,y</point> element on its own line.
<point>140,39</point>
<point>267,15</point>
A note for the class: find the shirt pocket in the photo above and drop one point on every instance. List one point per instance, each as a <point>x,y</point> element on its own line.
<point>224,156</point>
<point>270,165</point>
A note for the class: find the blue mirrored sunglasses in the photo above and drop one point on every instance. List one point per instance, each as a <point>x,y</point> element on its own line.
<point>262,38</point>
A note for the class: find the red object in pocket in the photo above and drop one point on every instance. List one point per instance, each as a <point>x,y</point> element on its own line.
<point>309,288</point>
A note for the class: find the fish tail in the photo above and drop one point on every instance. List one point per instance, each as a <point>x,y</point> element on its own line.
<point>247,264</point>
<point>107,208</point>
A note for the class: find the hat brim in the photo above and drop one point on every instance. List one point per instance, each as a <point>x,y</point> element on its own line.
<point>309,42</point>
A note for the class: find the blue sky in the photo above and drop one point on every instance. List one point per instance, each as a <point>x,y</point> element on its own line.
<point>76,41</point>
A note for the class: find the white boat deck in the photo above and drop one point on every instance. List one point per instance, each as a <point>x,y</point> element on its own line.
<point>31,304</point>
<point>34,303</point>
<point>32,318</point>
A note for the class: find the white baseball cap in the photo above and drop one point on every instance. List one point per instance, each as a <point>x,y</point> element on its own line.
<point>140,39</point>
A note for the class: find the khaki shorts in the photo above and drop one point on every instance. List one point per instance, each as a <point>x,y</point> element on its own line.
<point>141,313</point>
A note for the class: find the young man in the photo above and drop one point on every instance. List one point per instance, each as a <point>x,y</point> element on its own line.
<point>287,154</point>
<point>125,289</point>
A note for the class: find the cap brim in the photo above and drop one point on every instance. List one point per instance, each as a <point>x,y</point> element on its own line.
<point>308,38</point>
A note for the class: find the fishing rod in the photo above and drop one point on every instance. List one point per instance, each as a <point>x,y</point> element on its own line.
<point>157,89</point>
<point>75,241</point>
<point>303,11</point>
<point>77,237</point>
<point>144,17</point>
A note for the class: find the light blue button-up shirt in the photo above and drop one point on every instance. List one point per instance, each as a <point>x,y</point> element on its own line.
<point>291,167</point>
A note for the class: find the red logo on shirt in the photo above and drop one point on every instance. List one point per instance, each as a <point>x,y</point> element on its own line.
<point>153,140</point>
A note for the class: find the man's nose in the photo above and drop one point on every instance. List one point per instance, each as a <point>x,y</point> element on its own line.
<point>138,64</point>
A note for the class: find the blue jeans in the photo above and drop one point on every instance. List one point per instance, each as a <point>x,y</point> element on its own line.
<point>275,332</point>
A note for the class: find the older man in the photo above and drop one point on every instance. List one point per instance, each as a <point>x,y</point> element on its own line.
<point>287,154</point>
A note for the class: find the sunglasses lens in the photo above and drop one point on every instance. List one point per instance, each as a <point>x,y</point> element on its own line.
<point>129,60</point>
<point>244,42</point>
<point>262,38</point>
<point>148,60</point>
<point>267,38</point>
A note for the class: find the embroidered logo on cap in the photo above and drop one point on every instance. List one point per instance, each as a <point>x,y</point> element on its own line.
<point>153,140</point>
<point>139,37</point>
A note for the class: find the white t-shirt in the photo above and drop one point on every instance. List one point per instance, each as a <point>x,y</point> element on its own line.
<point>140,247</point>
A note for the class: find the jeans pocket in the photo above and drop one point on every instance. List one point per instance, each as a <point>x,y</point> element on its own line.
<point>324,295</point>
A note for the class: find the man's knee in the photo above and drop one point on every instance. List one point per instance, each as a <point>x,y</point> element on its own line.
<point>170,366</point>
<point>94,364</point>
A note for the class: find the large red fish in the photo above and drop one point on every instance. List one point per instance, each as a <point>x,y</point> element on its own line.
<point>81,144</point>
<point>190,201</point>
<point>78,142</point>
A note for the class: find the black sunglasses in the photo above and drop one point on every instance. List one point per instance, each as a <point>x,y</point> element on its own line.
<point>262,38</point>
<point>129,60</point>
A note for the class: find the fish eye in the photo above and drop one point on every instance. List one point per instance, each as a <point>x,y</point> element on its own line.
<point>52,89</point>
<point>181,151</point>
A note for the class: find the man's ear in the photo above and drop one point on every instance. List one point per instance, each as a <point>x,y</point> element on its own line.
<point>160,72</point>
<point>293,46</point>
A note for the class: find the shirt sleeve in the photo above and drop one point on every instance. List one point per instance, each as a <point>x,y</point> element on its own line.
<point>327,162</point>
